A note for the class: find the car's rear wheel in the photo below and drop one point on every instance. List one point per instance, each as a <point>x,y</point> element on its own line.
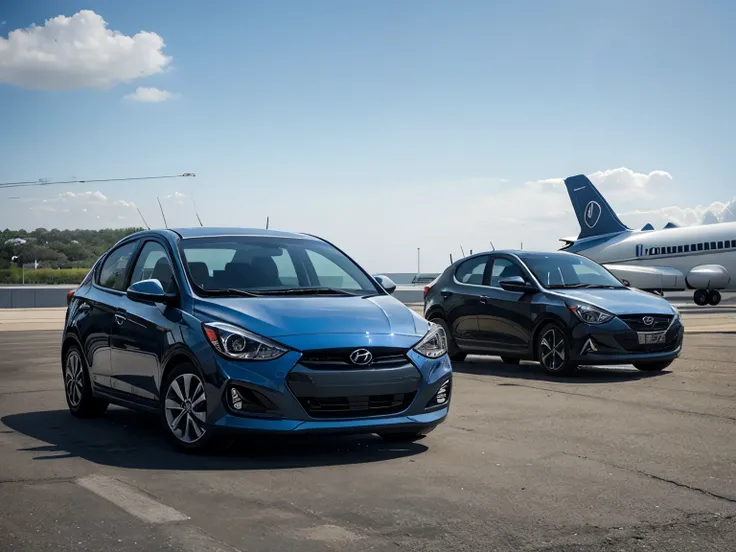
<point>509,360</point>
<point>184,409</point>
<point>553,351</point>
<point>714,297</point>
<point>652,366</point>
<point>78,389</point>
<point>453,351</point>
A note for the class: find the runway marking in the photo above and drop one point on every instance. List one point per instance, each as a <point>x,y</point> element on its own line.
<point>130,499</point>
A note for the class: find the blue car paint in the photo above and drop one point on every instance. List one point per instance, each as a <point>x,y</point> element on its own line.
<point>170,333</point>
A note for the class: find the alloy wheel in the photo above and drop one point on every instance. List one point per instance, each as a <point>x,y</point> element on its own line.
<point>74,379</point>
<point>552,349</point>
<point>186,408</point>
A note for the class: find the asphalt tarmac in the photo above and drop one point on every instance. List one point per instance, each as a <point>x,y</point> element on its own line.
<point>607,461</point>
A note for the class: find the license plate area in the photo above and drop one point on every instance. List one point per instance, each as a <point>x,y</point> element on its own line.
<point>651,338</point>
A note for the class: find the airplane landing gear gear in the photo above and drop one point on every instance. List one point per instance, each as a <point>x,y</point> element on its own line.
<point>714,297</point>
<point>701,297</point>
<point>704,297</point>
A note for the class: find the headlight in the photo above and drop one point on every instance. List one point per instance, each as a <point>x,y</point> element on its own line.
<point>240,344</point>
<point>590,314</point>
<point>678,316</point>
<point>434,343</point>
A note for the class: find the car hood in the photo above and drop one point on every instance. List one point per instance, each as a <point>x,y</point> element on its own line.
<point>278,316</point>
<point>621,301</point>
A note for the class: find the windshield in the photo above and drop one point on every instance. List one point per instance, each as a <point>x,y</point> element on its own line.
<point>569,271</point>
<point>261,265</point>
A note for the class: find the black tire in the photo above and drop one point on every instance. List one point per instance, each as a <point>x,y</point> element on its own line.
<point>404,437</point>
<point>714,297</point>
<point>183,409</point>
<point>700,297</point>
<point>453,351</point>
<point>553,350</point>
<point>77,387</point>
<point>509,360</point>
<point>652,366</point>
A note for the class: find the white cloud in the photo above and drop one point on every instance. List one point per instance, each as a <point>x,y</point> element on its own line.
<point>150,95</point>
<point>95,201</point>
<point>78,52</point>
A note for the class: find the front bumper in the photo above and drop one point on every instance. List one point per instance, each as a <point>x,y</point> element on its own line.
<point>295,394</point>
<point>616,343</point>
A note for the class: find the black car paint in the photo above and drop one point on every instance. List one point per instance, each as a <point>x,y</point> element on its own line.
<point>485,319</point>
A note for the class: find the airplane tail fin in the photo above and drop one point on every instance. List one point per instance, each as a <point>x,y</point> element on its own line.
<point>594,213</point>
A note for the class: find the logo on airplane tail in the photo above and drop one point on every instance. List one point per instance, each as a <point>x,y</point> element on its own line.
<point>592,214</point>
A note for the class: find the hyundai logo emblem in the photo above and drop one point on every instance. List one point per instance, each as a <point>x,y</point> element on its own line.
<point>361,357</point>
<point>648,320</point>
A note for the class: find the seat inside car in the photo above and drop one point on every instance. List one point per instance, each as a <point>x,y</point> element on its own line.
<point>163,273</point>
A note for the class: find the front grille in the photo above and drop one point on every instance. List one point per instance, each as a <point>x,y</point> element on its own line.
<point>630,342</point>
<point>339,359</point>
<point>636,322</point>
<point>356,407</point>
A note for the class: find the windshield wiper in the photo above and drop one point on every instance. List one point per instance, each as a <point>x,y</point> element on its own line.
<point>232,291</point>
<point>305,291</point>
<point>583,286</point>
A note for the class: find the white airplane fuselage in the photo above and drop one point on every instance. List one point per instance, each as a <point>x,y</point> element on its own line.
<point>695,257</point>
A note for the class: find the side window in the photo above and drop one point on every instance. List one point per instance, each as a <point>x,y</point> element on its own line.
<point>471,271</point>
<point>115,267</point>
<point>153,264</point>
<point>502,270</point>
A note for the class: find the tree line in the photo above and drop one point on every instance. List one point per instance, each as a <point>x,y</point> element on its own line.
<point>57,249</point>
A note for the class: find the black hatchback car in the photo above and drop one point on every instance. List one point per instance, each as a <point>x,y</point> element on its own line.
<point>560,309</point>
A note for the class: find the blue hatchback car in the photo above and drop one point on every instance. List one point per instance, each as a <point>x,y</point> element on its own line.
<point>224,330</point>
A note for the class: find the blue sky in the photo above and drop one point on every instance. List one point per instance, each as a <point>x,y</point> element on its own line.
<point>384,126</point>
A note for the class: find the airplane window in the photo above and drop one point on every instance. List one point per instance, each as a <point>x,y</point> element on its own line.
<point>720,245</point>
<point>707,246</point>
<point>733,243</point>
<point>700,247</point>
<point>712,245</point>
<point>687,249</point>
<point>679,249</point>
<point>726,244</point>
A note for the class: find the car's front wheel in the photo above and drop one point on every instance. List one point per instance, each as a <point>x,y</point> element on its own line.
<point>553,351</point>
<point>78,388</point>
<point>652,366</point>
<point>184,409</point>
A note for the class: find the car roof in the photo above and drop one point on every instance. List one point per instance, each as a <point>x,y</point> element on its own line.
<point>212,231</point>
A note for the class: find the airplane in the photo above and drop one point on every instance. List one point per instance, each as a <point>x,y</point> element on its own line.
<point>701,258</point>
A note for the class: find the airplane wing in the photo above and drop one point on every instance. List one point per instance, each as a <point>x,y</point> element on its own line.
<point>649,277</point>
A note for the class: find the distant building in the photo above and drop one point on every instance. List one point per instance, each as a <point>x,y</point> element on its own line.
<point>15,241</point>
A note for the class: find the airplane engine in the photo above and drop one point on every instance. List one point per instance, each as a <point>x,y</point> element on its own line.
<point>708,277</point>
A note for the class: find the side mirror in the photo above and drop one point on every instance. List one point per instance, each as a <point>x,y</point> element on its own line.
<point>148,291</point>
<point>626,283</point>
<point>386,283</point>
<point>517,284</point>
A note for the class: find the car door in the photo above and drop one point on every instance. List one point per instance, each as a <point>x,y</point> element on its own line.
<point>462,300</point>
<point>143,331</point>
<point>504,320</point>
<point>97,310</point>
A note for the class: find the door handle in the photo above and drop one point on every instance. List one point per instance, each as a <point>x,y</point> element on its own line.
<point>119,319</point>
<point>446,294</point>
<point>483,299</point>
<point>84,307</point>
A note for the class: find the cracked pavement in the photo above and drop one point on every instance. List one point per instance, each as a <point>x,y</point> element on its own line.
<point>610,460</point>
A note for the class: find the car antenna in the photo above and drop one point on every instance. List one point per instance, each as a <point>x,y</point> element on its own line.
<point>267,221</point>
<point>522,246</point>
<point>450,258</point>
<point>195,211</point>
<point>144,220</point>
<point>471,251</point>
<point>461,249</point>
<point>492,246</point>
<point>162,212</point>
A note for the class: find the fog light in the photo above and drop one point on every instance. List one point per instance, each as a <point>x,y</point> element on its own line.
<point>442,396</point>
<point>236,399</point>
